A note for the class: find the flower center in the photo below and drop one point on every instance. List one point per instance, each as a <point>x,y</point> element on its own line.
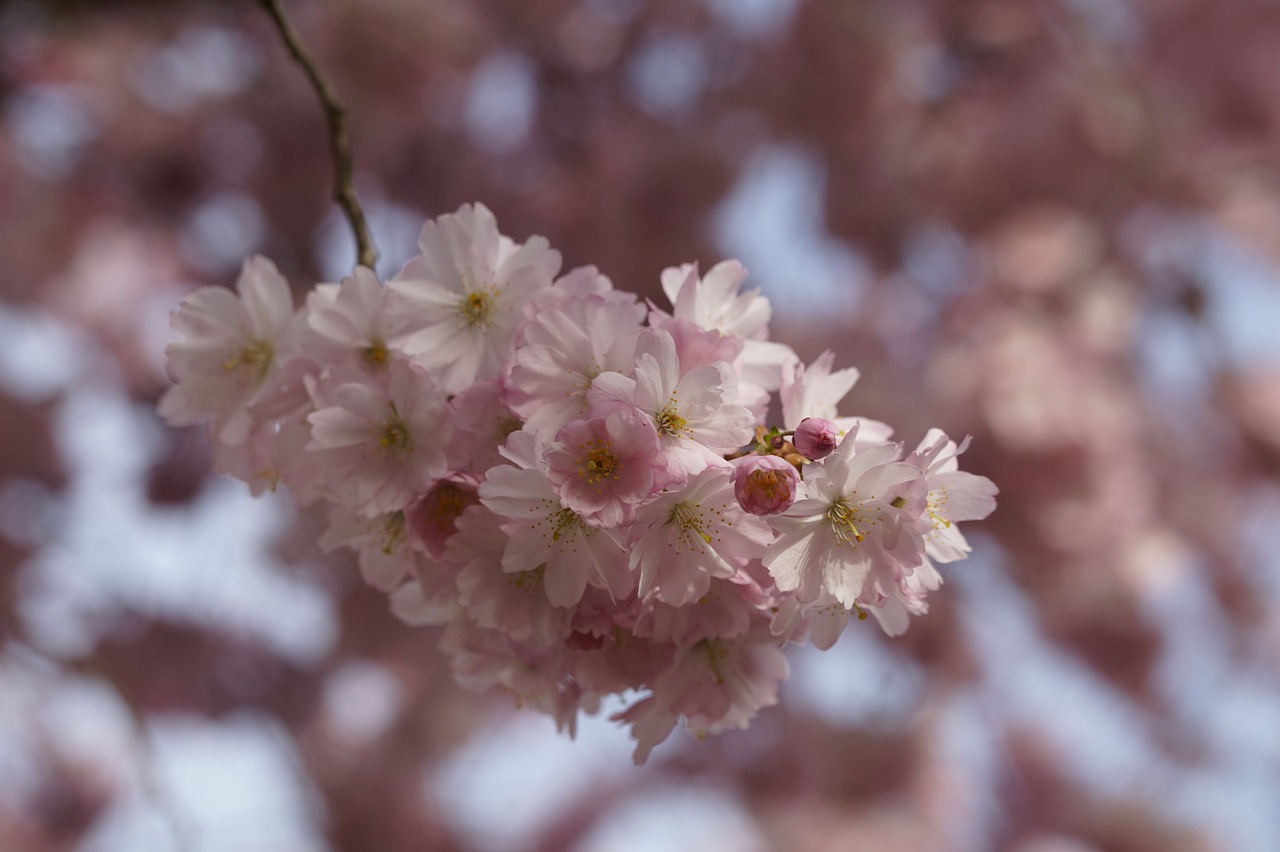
<point>376,355</point>
<point>936,500</point>
<point>391,530</point>
<point>599,463</point>
<point>845,517</point>
<point>254,358</point>
<point>529,581</point>
<point>477,307</point>
<point>445,503</point>
<point>718,657</point>
<point>767,483</point>
<point>565,521</point>
<point>393,435</point>
<point>689,519</point>
<point>506,426</point>
<point>670,423</point>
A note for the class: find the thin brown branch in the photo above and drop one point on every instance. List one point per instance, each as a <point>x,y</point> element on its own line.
<point>344,190</point>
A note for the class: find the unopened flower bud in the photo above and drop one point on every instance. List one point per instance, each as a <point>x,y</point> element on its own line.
<point>815,438</point>
<point>765,485</point>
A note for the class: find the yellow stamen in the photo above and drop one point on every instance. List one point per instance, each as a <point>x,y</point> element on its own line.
<point>670,422</point>
<point>845,517</point>
<point>689,519</point>
<point>393,532</point>
<point>599,462</point>
<point>394,436</point>
<point>254,358</point>
<point>477,307</point>
<point>375,356</point>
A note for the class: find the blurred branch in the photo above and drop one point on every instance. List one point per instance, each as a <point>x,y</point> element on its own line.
<point>344,191</point>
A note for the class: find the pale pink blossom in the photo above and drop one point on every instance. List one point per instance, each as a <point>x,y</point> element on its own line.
<point>604,467</point>
<point>482,420</point>
<point>381,447</point>
<point>954,495</point>
<point>815,390</point>
<point>713,685</point>
<point>460,302</point>
<point>693,413</point>
<point>385,554</point>
<point>691,534</point>
<point>543,532</point>
<point>352,322</point>
<point>713,301</point>
<point>822,620</point>
<point>859,514</point>
<point>514,602</point>
<point>725,610</point>
<point>524,462</point>
<point>565,349</point>
<point>227,347</point>
<point>905,598</point>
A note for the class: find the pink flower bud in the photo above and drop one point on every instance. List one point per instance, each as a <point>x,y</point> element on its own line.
<point>765,485</point>
<point>815,438</point>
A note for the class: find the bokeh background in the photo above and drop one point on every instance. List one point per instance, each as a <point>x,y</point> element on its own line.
<point>1052,225</point>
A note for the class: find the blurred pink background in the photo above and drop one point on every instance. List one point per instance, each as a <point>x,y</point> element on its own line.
<point>1054,226</point>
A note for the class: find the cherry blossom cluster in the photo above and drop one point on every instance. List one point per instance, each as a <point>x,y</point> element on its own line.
<point>581,487</point>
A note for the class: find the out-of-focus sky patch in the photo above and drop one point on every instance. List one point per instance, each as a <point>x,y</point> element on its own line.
<point>1241,292</point>
<point>395,229</point>
<point>39,356</point>
<point>88,726</point>
<point>926,73</point>
<point>1263,555</point>
<point>677,816</point>
<point>1228,708</point>
<point>669,74</point>
<point>501,101</point>
<point>51,126</point>
<point>498,790</point>
<point>753,18</point>
<point>773,222</point>
<point>361,700</point>
<point>206,562</point>
<point>1111,23</point>
<point>963,744</point>
<point>233,785</point>
<point>1100,738</point>
<point>201,62</point>
<point>221,232</point>
<point>862,681</point>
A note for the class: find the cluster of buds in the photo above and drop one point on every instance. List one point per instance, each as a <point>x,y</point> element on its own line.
<point>578,485</point>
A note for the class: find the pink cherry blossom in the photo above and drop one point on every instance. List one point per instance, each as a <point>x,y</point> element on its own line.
<point>604,467</point>
<point>860,514</point>
<point>460,302</point>
<point>353,322</point>
<point>954,495</point>
<point>764,485</point>
<point>694,532</point>
<point>226,350</point>
<point>693,413</point>
<point>552,470</point>
<point>379,447</point>
<point>565,349</point>
<point>544,533</point>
